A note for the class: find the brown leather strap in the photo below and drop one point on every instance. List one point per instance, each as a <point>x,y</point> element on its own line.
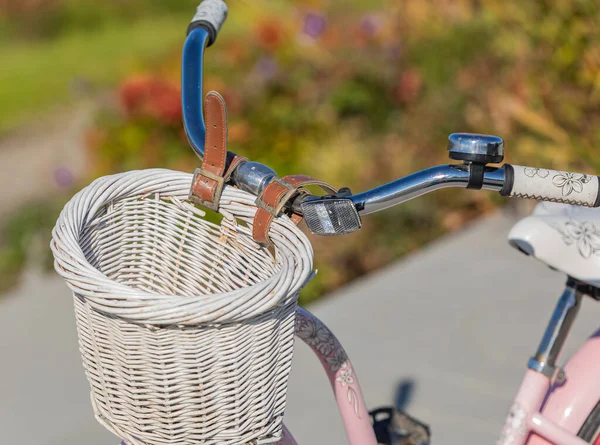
<point>273,199</point>
<point>208,181</point>
<point>215,147</point>
<point>233,163</point>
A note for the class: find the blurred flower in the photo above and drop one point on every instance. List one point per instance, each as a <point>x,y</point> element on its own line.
<point>63,176</point>
<point>371,24</point>
<point>153,97</point>
<point>266,68</point>
<point>333,36</point>
<point>166,104</point>
<point>409,86</point>
<point>235,54</point>
<point>393,52</point>
<point>132,92</point>
<point>314,25</point>
<point>269,34</point>
<point>371,30</point>
<point>235,103</point>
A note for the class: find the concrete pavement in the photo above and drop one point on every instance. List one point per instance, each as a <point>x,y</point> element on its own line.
<point>458,319</point>
<point>44,397</point>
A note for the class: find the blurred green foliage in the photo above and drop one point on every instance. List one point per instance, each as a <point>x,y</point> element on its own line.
<point>55,51</point>
<point>47,19</point>
<point>363,92</point>
<point>25,236</point>
<point>34,77</point>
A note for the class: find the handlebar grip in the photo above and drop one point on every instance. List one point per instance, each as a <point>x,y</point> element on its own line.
<point>210,15</point>
<point>551,185</point>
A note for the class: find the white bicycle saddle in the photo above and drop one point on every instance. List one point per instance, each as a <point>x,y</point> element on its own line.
<point>565,237</point>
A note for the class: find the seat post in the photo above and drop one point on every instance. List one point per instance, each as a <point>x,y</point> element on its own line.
<point>544,360</point>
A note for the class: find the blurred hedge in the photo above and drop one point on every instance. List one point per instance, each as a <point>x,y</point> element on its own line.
<point>359,97</point>
<point>43,19</point>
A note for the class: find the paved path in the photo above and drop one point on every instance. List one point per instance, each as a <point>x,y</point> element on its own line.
<point>459,319</point>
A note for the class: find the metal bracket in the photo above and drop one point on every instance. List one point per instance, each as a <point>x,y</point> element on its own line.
<point>560,376</point>
<point>541,367</point>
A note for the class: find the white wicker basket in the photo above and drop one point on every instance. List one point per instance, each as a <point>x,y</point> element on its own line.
<point>185,327</point>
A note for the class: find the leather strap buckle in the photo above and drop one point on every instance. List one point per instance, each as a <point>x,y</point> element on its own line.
<point>209,180</point>
<point>206,189</point>
<point>278,191</point>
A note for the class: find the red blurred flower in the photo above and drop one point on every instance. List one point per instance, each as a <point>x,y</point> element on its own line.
<point>409,85</point>
<point>132,92</point>
<point>269,34</point>
<point>152,97</point>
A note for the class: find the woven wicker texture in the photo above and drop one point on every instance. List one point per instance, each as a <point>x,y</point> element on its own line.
<point>185,326</point>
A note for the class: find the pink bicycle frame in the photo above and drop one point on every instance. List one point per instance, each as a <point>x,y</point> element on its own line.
<point>341,376</point>
<point>532,421</point>
<point>552,411</point>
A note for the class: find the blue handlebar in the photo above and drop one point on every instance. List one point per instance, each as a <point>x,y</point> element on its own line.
<point>191,88</point>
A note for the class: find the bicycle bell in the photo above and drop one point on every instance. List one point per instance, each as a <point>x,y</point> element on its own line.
<point>476,151</point>
<point>476,148</point>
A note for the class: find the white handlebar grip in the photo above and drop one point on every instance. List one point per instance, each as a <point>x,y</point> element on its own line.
<point>551,185</point>
<point>210,14</point>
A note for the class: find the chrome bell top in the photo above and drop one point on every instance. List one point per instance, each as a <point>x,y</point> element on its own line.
<point>476,148</point>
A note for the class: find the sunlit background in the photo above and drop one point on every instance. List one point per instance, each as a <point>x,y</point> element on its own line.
<point>356,92</point>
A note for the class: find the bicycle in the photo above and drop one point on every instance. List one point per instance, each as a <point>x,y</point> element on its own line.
<point>552,406</point>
